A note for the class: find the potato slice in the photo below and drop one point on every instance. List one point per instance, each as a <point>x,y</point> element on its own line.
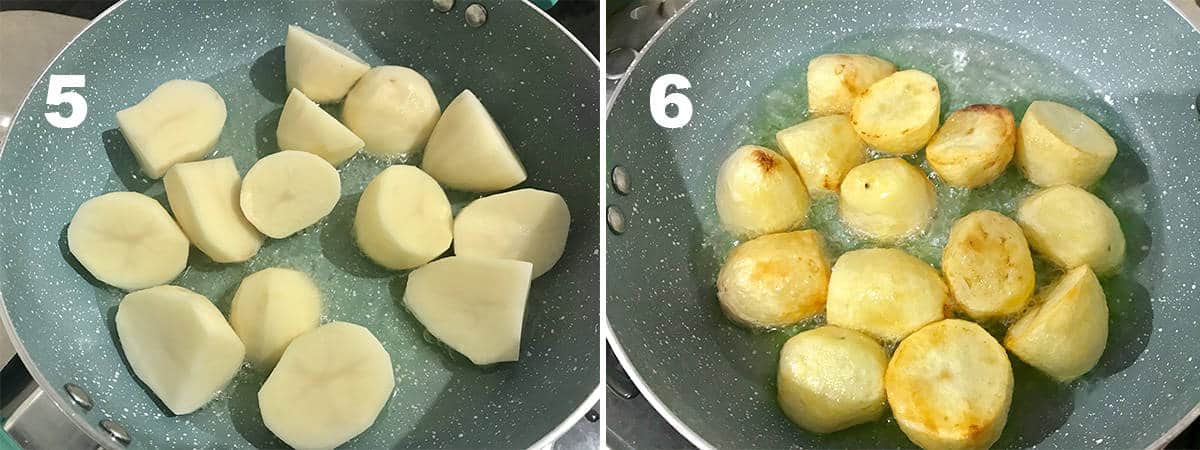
<point>127,240</point>
<point>887,199</point>
<point>836,80</point>
<point>1057,144</point>
<point>329,386</point>
<point>884,292</point>
<point>898,114</point>
<point>393,109</point>
<point>988,266</point>
<point>204,197</point>
<point>272,307</point>
<point>950,385</point>
<point>758,193</point>
<point>831,379</point>
<point>179,121</point>
<point>474,305</point>
<point>305,127</point>
<point>775,280</point>
<point>822,150</point>
<point>1065,335</point>
<point>320,68</point>
<point>403,195</point>
<point>1071,227</point>
<point>467,151</point>
<point>974,146</point>
<point>289,191</point>
<point>178,344</point>
<point>526,225</point>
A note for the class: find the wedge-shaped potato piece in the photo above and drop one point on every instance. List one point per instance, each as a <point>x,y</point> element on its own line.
<point>898,114</point>
<point>329,386</point>
<point>1057,144</point>
<point>887,199</point>
<point>836,80</point>
<point>178,344</point>
<point>204,195</point>
<point>393,109</point>
<point>305,127</point>
<point>272,307</point>
<point>527,225</point>
<point>289,191</point>
<point>467,151</point>
<point>1072,227</point>
<point>179,121</point>
<point>974,146</point>
<point>950,385</point>
<point>831,379</point>
<point>822,150</point>
<point>758,193</point>
<point>474,305</point>
<point>775,280</point>
<point>988,266</point>
<point>403,219</point>
<point>320,68</point>
<point>1065,335</point>
<point>127,240</point>
<point>885,293</point>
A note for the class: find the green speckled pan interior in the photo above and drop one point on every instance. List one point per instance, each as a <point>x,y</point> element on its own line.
<point>1134,66</point>
<point>538,84</point>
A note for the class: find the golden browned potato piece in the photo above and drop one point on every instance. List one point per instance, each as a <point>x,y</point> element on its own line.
<point>1065,335</point>
<point>835,80</point>
<point>758,193</point>
<point>988,266</point>
<point>898,114</point>
<point>823,150</point>
<point>884,292</point>
<point>1057,144</point>
<point>831,379</point>
<point>1071,227</point>
<point>775,280</point>
<point>887,199</point>
<point>950,385</point>
<point>974,146</point>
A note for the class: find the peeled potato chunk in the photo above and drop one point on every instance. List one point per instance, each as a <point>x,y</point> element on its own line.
<point>950,385</point>
<point>1071,227</point>
<point>1065,335</point>
<point>758,193</point>
<point>288,191</point>
<point>887,199</point>
<point>272,307</point>
<point>467,151</point>
<point>831,379</point>
<point>884,292</point>
<point>320,68</point>
<point>204,195</point>
<point>988,266</point>
<point>822,150</point>
<point>836,80</point>
<point>474,305</point>
<point>898,114</point>
<point>403,219</point>
<point>179,121</point>
<point>305,127</point>
<point>974,146</point>
<point>329,386</point>
<point>178,344</point>
<point>775,280</point>
<point>393,109</point>
<point>1057,144</point>
<point>127,240</point>
<point>526,225</point>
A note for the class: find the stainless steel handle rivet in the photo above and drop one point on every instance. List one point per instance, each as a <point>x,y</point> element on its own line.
<point>620,180</point>
<point>616,220</point>
<point>443,5</point>
<point>79,396</point>
<point>115,431</point>
<point>476,15</point>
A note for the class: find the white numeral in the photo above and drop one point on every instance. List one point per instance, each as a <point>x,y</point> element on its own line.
<point>56,96</point>
<point>660,99</point>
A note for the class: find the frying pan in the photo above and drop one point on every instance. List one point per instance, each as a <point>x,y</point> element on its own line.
<point>1134,66</point>
<point>538,83</point>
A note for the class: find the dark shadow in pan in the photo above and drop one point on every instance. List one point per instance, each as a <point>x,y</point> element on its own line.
<point>245,414</point>
<point>110,320</point>
<point>1040,406</point>
<point>64,249</point>
<point>124,165</point>
<point>265,141</point>
<point>338,243</point>
<point>268,75</point>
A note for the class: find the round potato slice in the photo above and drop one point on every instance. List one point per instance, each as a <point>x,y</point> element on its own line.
<point>758,193</point>
<point>899,113</point>
<point>988,266</point>
<point>775,280</point>
<point>127,240</point>
<point>831,379</point>
<point>403,219</point>
<point>884,292</point>
<point>270,308</point>
<point>179,121</point>
<point>393,109</point>
<point>887,199</point>
<point>836,80</point>
<point>822,150</point>
<point>1071,227</point>
<point>1065,335</point>
<point>526,225</point>
<point>974,146</point>
<point>1057,144</point>
<point>288,191</point>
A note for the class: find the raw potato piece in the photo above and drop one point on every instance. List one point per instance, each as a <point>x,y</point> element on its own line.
<point>204,195</point>
<point>775,280</point>
<point>950,385</point>
<point>1066,334</point>
<point>318,67</point>
<point>836,80</point>
<point>305,127</point>
<point>474,305</point>
<point>328,387</point>
<point>128,241</point>
<point>272,307</point>
<point>822,150</point>
<point>178,343</point>
<point>393,109</point>
<point>1057,144</point>
<point>179,121</point>
<point>831,379</point>
<point>403,219</point>
<point>885,293</point>
<point>974,146</point>
<point>988,266</point>
<point>887,199</point>
<point>1071,227</point>
<point>898,114</point>
<point>288,191</point>
<point>467,151</point>
<point>526,225</point>
<point>759,193</point>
